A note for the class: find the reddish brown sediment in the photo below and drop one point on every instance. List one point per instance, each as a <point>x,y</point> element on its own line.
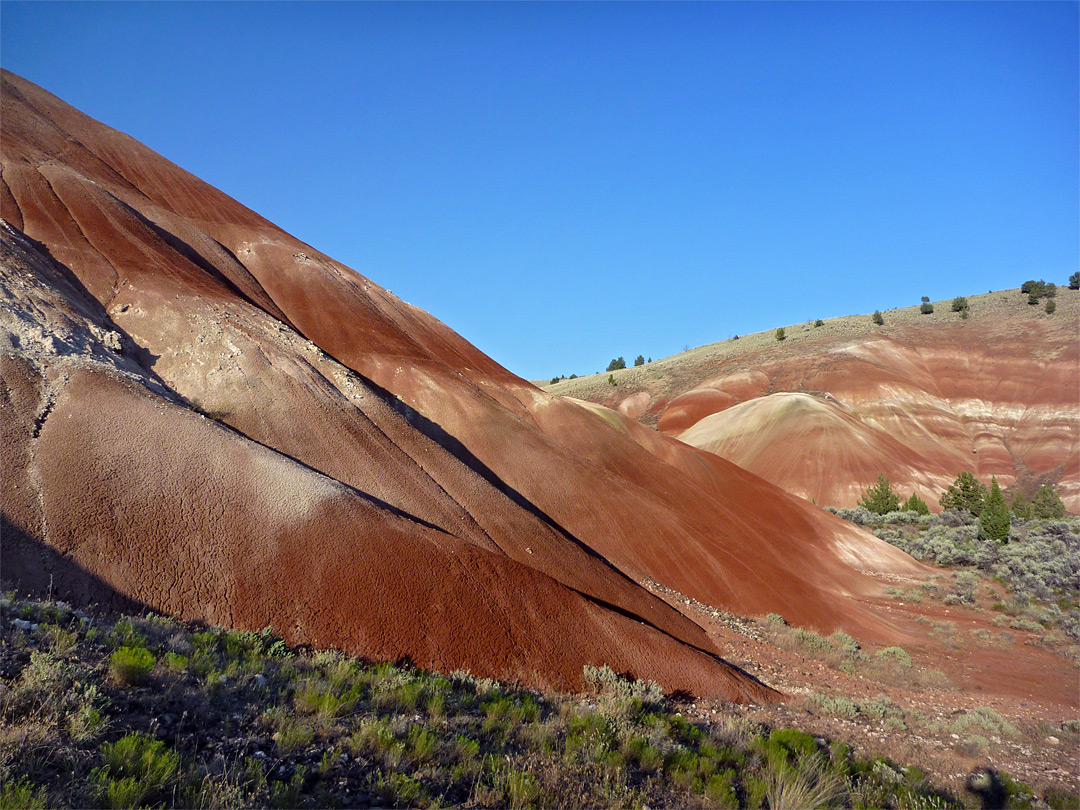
<point>210,418</point>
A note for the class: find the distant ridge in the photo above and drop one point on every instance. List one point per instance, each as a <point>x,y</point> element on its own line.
<point>919,398</point>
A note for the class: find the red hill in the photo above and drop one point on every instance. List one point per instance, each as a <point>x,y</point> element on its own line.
<point>204,416</point>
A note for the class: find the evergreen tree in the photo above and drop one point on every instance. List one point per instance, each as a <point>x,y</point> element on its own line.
<point>1050,306</point>
<point>880,497</point>
<point>965,493</point>
<point>781,334</point>
<point>959,304</point>
<point>994,520</point>
<point>616,364</point>
<point>877,318</point>
<point>915,504</point>
<point>1047,505</point>
<point>640,360</point>
<point>1021,507</point>
<point>1074,281</point>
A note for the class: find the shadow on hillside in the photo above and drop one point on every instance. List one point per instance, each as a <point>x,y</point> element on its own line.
<point>35,569</point>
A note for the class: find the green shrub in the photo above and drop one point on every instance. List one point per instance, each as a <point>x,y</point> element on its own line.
<point>781,334</point>
<point>616,364</point>
<point>129,666</point>
<point>896,655</point>
<point>639,360</point>
<point>1051,306</point>
<point>960,304</point>
<point>293,736</point>
<point>421,743</point>
<point>136,769</point>
<point>926,308</point>
<point>818,323</point>
<point>845,642</point>
<point>174,662</point>
<point>810,640</point>
<point>877,318</point>
<point>775,618</point>
<point>22,795</point>
<point>1074,281</point>
<point>638,751</point>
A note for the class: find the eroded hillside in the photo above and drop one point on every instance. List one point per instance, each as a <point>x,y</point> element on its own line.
<point>208,418</point>
<point>919,397</point>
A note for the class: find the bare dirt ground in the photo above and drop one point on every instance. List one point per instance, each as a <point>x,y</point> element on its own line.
<point>957,675</point>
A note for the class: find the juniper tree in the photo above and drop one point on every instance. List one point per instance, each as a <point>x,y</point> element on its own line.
<point>879,497</point>
<point>915,504</point>
<point>1021,507</point>
<point>1047,505</point>
<point>994,519</point>
<point>965,494</point>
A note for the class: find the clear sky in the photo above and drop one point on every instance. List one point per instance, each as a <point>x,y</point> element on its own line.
<point>563,183</point>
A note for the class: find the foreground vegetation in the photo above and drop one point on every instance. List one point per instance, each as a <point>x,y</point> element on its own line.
<point>146,711</point>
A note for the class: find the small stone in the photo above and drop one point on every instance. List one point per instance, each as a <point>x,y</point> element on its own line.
<point>1053,740</point>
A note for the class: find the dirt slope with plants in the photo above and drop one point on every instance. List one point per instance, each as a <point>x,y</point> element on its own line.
<point>919,397</point>
<point>146,711</point>
<point>208,418</point>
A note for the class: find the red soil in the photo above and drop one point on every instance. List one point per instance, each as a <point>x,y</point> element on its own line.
<point>367,479</point>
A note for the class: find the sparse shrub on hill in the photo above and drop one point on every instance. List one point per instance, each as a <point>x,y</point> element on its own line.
<point>1038,289</point>
<point>1074,281</point>
<point>994,519</point>
<point>1047,505</point>
<point>877,317</point>
<point>616,364</point>
<point>926,308</point>
<point>1051,307</point>
<point>879,497</point>
<point>554,380</point>
<point>960,304</point>
<point>781,334</point>
<point>966,494</point>
<point>639,360</point>
<point>818,323</point>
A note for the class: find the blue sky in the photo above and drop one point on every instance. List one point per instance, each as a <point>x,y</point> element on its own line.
<point>563,183</point>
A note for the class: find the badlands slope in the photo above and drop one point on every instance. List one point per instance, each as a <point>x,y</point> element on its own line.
<point>919,398</point>
<point>204,416</point>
